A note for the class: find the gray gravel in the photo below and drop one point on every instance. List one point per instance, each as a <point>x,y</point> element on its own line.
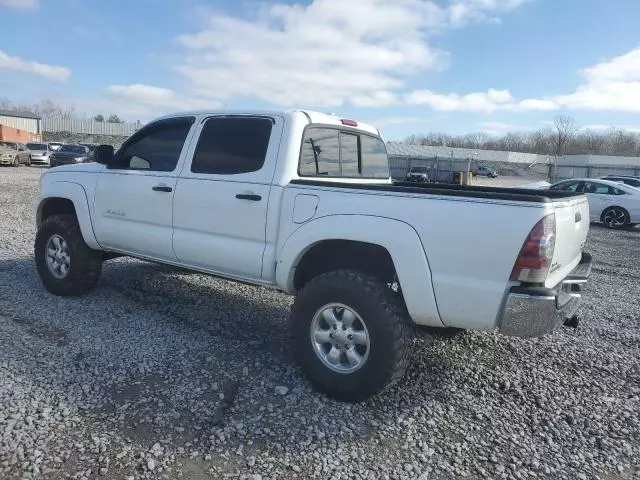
<point>161,373</point>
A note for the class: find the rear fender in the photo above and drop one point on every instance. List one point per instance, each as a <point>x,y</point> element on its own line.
<point>77,194</point>
<point>398,238</point>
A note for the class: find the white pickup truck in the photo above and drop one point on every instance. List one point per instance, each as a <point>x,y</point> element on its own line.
<point>303,202</point>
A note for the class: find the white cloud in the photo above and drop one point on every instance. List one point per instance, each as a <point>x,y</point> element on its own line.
<point>499,128</point>
<point>465,11</point>
<point>387,121</point>
<point>536,104</point>
<point>486,102</point>
<point>610,85</point>
<point>324,54</point>
<point>52,72</point>
<point>157,98</point>
<point>601,128</point>
<point>25,4</point>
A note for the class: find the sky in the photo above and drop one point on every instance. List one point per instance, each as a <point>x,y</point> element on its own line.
<point>407,66</point>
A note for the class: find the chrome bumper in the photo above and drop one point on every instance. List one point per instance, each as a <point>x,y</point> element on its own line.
<point>537,311</point>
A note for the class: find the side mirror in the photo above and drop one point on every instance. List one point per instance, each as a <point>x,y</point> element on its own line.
<point>103,154</point>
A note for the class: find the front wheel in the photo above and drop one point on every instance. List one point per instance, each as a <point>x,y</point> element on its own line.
<point>616,218</point>
<point>65,264</point>
<point>29,161</point>
<point>16,162</point>
<point>351,335</point>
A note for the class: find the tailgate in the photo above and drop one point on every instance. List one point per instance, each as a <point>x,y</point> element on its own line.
<point>572,226</point>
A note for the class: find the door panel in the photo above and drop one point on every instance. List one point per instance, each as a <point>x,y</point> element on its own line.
<point>131,216</point>
<point>217,231</point>
<point>220,217</point>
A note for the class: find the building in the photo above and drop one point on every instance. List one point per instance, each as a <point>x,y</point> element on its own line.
<point>593,166</point>
<point>20,127</point>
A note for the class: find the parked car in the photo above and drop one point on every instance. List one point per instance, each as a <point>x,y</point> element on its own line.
<point>485,171</point>
<point>418,174</point>
<point>14,154</point>
<point>70,153</point>
<point>616,205</point>
<point>39,153</point>
<point>629,180</point>
<point>303,202</point>
<point>540,185</point>
<point>90,146</point>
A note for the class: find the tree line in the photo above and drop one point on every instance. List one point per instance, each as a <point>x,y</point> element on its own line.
<point>563,138</point>
<point>47,108</point>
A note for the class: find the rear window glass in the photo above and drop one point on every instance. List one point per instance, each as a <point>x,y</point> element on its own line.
<point>36,146</point>
<point>335,153</point>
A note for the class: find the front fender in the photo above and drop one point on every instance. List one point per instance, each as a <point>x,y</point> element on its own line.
<point>77,194</point>
<point>398,238</point>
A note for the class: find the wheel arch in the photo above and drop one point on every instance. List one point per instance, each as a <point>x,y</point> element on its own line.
<point>67,198</point>
<point>376,245</point>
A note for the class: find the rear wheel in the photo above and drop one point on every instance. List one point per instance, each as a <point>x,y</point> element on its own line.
<point>65,264</point>
<point>615,218</point>
<point>350,334</point>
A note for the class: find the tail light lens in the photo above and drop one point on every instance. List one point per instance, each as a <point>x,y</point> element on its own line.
<point>534,260</point>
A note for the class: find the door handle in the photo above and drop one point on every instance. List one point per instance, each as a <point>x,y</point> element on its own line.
<point>162,188</point>
<point>249,196</point>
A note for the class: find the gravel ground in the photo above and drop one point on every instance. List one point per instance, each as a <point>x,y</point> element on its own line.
<point>160,373</point>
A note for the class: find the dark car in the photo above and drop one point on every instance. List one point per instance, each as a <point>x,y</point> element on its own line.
<point>68,154</point>
<point>418,174</point>
<point>629,180</point>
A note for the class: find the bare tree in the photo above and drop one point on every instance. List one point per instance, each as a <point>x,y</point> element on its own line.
<point>99,118</point>
<point>565,129</point>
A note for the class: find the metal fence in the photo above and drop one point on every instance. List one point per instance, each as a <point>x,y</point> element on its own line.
<point>564,172</point>
<point>88,127</point>
<point>439,169</point>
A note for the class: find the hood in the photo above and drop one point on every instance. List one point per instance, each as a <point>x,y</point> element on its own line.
<point>92,167</point>
<point>4,149</point>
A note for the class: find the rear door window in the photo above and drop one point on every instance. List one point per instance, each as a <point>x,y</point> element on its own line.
<point>232,145</point>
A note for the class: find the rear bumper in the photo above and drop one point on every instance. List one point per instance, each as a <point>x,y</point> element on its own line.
<point>537,311</point>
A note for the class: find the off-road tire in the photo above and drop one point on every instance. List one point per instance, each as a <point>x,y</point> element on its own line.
<point>387,321</point>
<point>85,263</point>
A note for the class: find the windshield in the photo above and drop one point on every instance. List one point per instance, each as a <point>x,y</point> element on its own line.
<point>36,146</point>
<point>10,145</point>
<point>73,149</point>
<point>419,169</point>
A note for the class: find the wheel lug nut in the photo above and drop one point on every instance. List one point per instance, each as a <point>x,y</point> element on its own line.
<point>350,337</point>
<point>331,335</point>
<point>343,327</point>
<point>335,327</point>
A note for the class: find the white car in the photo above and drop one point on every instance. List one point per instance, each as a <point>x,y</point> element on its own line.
<point>615,204</point>
<point>303,202</point>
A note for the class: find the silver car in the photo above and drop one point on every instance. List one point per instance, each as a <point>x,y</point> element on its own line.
<point>39,153</point>
<point>14,153</point>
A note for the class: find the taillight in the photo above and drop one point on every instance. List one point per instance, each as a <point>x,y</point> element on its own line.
<point>350,123</point>
<point>534,260</point>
